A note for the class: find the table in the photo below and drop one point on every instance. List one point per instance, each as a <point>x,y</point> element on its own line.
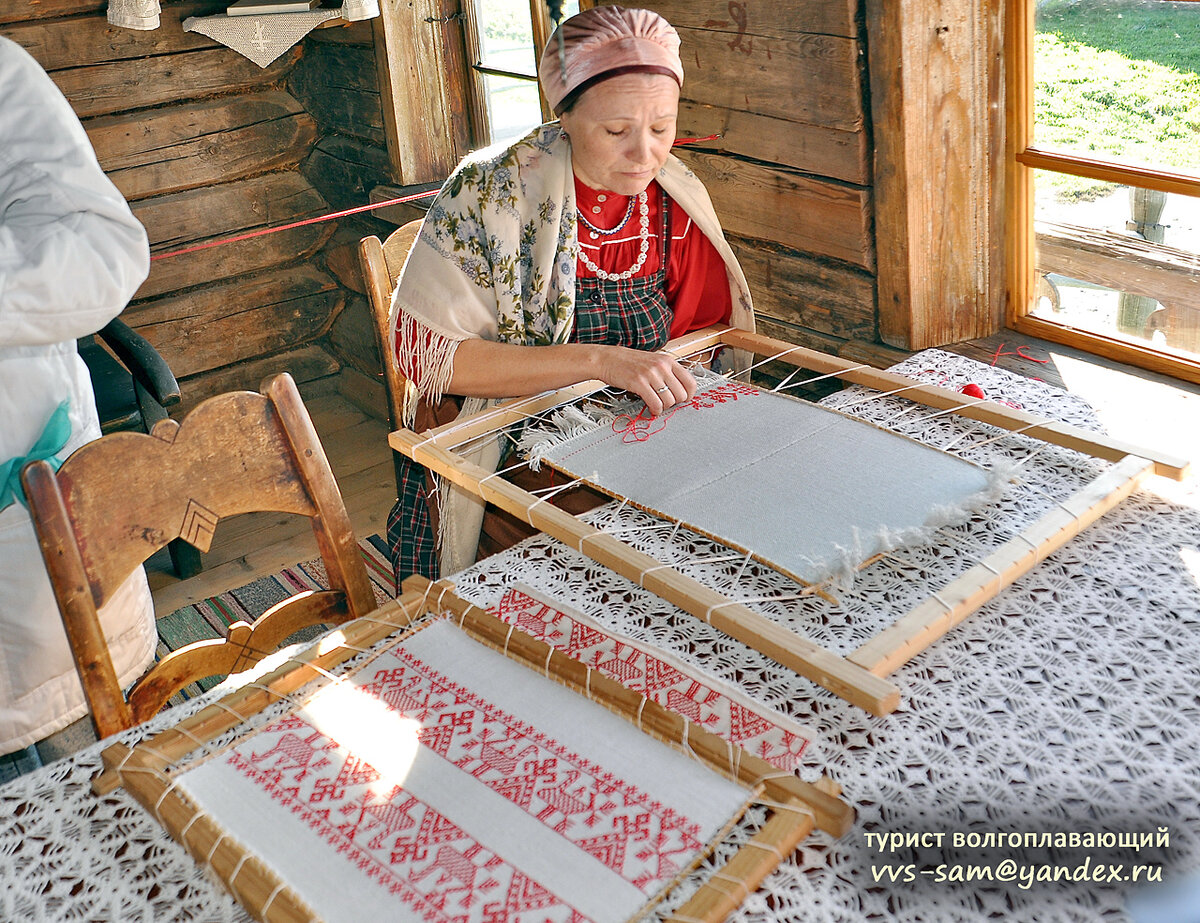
<point>1068,705</point>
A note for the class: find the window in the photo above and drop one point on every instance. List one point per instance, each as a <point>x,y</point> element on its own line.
<point>1104,178</point>
<point>504,39</point>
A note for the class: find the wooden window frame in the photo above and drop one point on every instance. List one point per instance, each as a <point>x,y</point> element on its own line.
<point>477,71</point>
<point>1023,158</point>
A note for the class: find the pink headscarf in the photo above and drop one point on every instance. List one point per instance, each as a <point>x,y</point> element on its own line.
<point>605,41</point>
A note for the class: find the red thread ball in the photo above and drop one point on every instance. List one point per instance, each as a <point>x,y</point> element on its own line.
<point>973,390</point>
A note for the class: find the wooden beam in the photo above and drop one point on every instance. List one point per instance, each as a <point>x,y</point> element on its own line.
<point>934,75</point>
<point>1121,262</point>
<point>420,68</point>
<point>762,202</point>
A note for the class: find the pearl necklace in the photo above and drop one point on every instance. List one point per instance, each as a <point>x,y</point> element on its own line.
<point>643,234</point>
<point>600,232</point>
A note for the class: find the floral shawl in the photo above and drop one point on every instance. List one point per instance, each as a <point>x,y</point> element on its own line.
<point>495,259</point>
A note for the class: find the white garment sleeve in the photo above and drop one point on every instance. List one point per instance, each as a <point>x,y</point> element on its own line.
<point>71,252</point>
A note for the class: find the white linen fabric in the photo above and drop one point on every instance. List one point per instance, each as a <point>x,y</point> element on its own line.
<point>71,256</point>
<point>442,774</point>
<point>1066,704</point>
<point>809,491</point>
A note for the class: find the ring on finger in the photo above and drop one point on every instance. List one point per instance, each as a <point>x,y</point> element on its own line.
<point>662,390</point>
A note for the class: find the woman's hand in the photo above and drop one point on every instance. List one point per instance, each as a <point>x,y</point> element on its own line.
<point>483,368</point>
<point>657,378</point>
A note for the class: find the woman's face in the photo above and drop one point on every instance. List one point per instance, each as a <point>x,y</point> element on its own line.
<point>622,130</point>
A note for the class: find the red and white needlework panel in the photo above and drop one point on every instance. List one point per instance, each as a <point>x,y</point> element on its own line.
<point>444,782</point>
<point>658,676</point>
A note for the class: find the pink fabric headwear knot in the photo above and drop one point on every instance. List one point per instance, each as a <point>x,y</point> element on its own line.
<point>605,39</point>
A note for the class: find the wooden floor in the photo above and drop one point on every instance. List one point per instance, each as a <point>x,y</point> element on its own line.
<point>1137,406</point>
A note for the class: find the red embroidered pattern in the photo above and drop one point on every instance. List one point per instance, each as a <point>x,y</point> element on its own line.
<point>658,680</point>
<point>424,858</point>
<point>641,427</point>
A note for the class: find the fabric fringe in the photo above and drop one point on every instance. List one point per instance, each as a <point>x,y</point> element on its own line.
<point>573,420</point>
<point>842,567</point>
<point>564,424</point>
<point>430,355</point>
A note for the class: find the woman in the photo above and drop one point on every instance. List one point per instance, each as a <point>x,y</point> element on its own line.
<point>574,254</point>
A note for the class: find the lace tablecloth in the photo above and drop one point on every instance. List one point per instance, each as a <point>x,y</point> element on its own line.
<point>1065,713</point>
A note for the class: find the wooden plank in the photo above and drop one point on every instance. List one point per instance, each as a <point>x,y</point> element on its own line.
<point>939,143</point>
<point>201,143</point>
<point>196,216</point>
<point>738,621</point>
<point>23,10</point>
<point>88,40</point>
<point>920,627</point>
<point>808,78</point>
<point>414,48</point>
<point>1121,262</point>
<point>345,169</point>
<point>339,87</point>
<point>761,17</point>
<point>797,289</point>
<point>235,321</point>
<point>306,364</point>
<point>352,337</point>
<point>141,83</point>
<point>841,155</point>
<point>766,203</point>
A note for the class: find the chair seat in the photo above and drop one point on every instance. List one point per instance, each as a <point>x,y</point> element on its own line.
<point>116,397</point>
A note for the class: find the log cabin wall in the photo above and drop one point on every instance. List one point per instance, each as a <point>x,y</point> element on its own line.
<point>206,145</point>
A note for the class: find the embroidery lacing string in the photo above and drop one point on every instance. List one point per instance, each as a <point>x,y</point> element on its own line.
<point>279,888</point>
<point>188,826</point>
<point>879,395</point>
<point>237,869</point>
<point>163,797</point>
<point>840,373</point>
<point>217,842</point>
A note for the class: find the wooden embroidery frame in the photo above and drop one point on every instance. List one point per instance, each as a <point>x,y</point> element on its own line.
<point>861,676</point>
<point>795,806</point>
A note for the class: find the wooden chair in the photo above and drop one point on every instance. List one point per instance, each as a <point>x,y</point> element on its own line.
<point>133,387</point>
<point>116,501</point>
<point>381,264</point>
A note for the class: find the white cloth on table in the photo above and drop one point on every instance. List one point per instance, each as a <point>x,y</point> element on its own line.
<point>1066,703</point>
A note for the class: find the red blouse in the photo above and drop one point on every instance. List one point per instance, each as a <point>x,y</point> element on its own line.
<point>697,285</point>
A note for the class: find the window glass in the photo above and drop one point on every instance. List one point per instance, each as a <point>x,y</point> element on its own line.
<point>507,43</point>
<point>513,107</point>
<point>506,36</point>
<point>1119,80</point>
<point>1121,261</point>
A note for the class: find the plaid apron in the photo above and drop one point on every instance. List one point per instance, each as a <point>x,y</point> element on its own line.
<point>615,312</point>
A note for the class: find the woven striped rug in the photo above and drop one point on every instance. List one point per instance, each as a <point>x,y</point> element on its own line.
<point>211,618</point>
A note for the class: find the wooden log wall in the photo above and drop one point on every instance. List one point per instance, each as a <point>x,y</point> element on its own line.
<point>206,145</point>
